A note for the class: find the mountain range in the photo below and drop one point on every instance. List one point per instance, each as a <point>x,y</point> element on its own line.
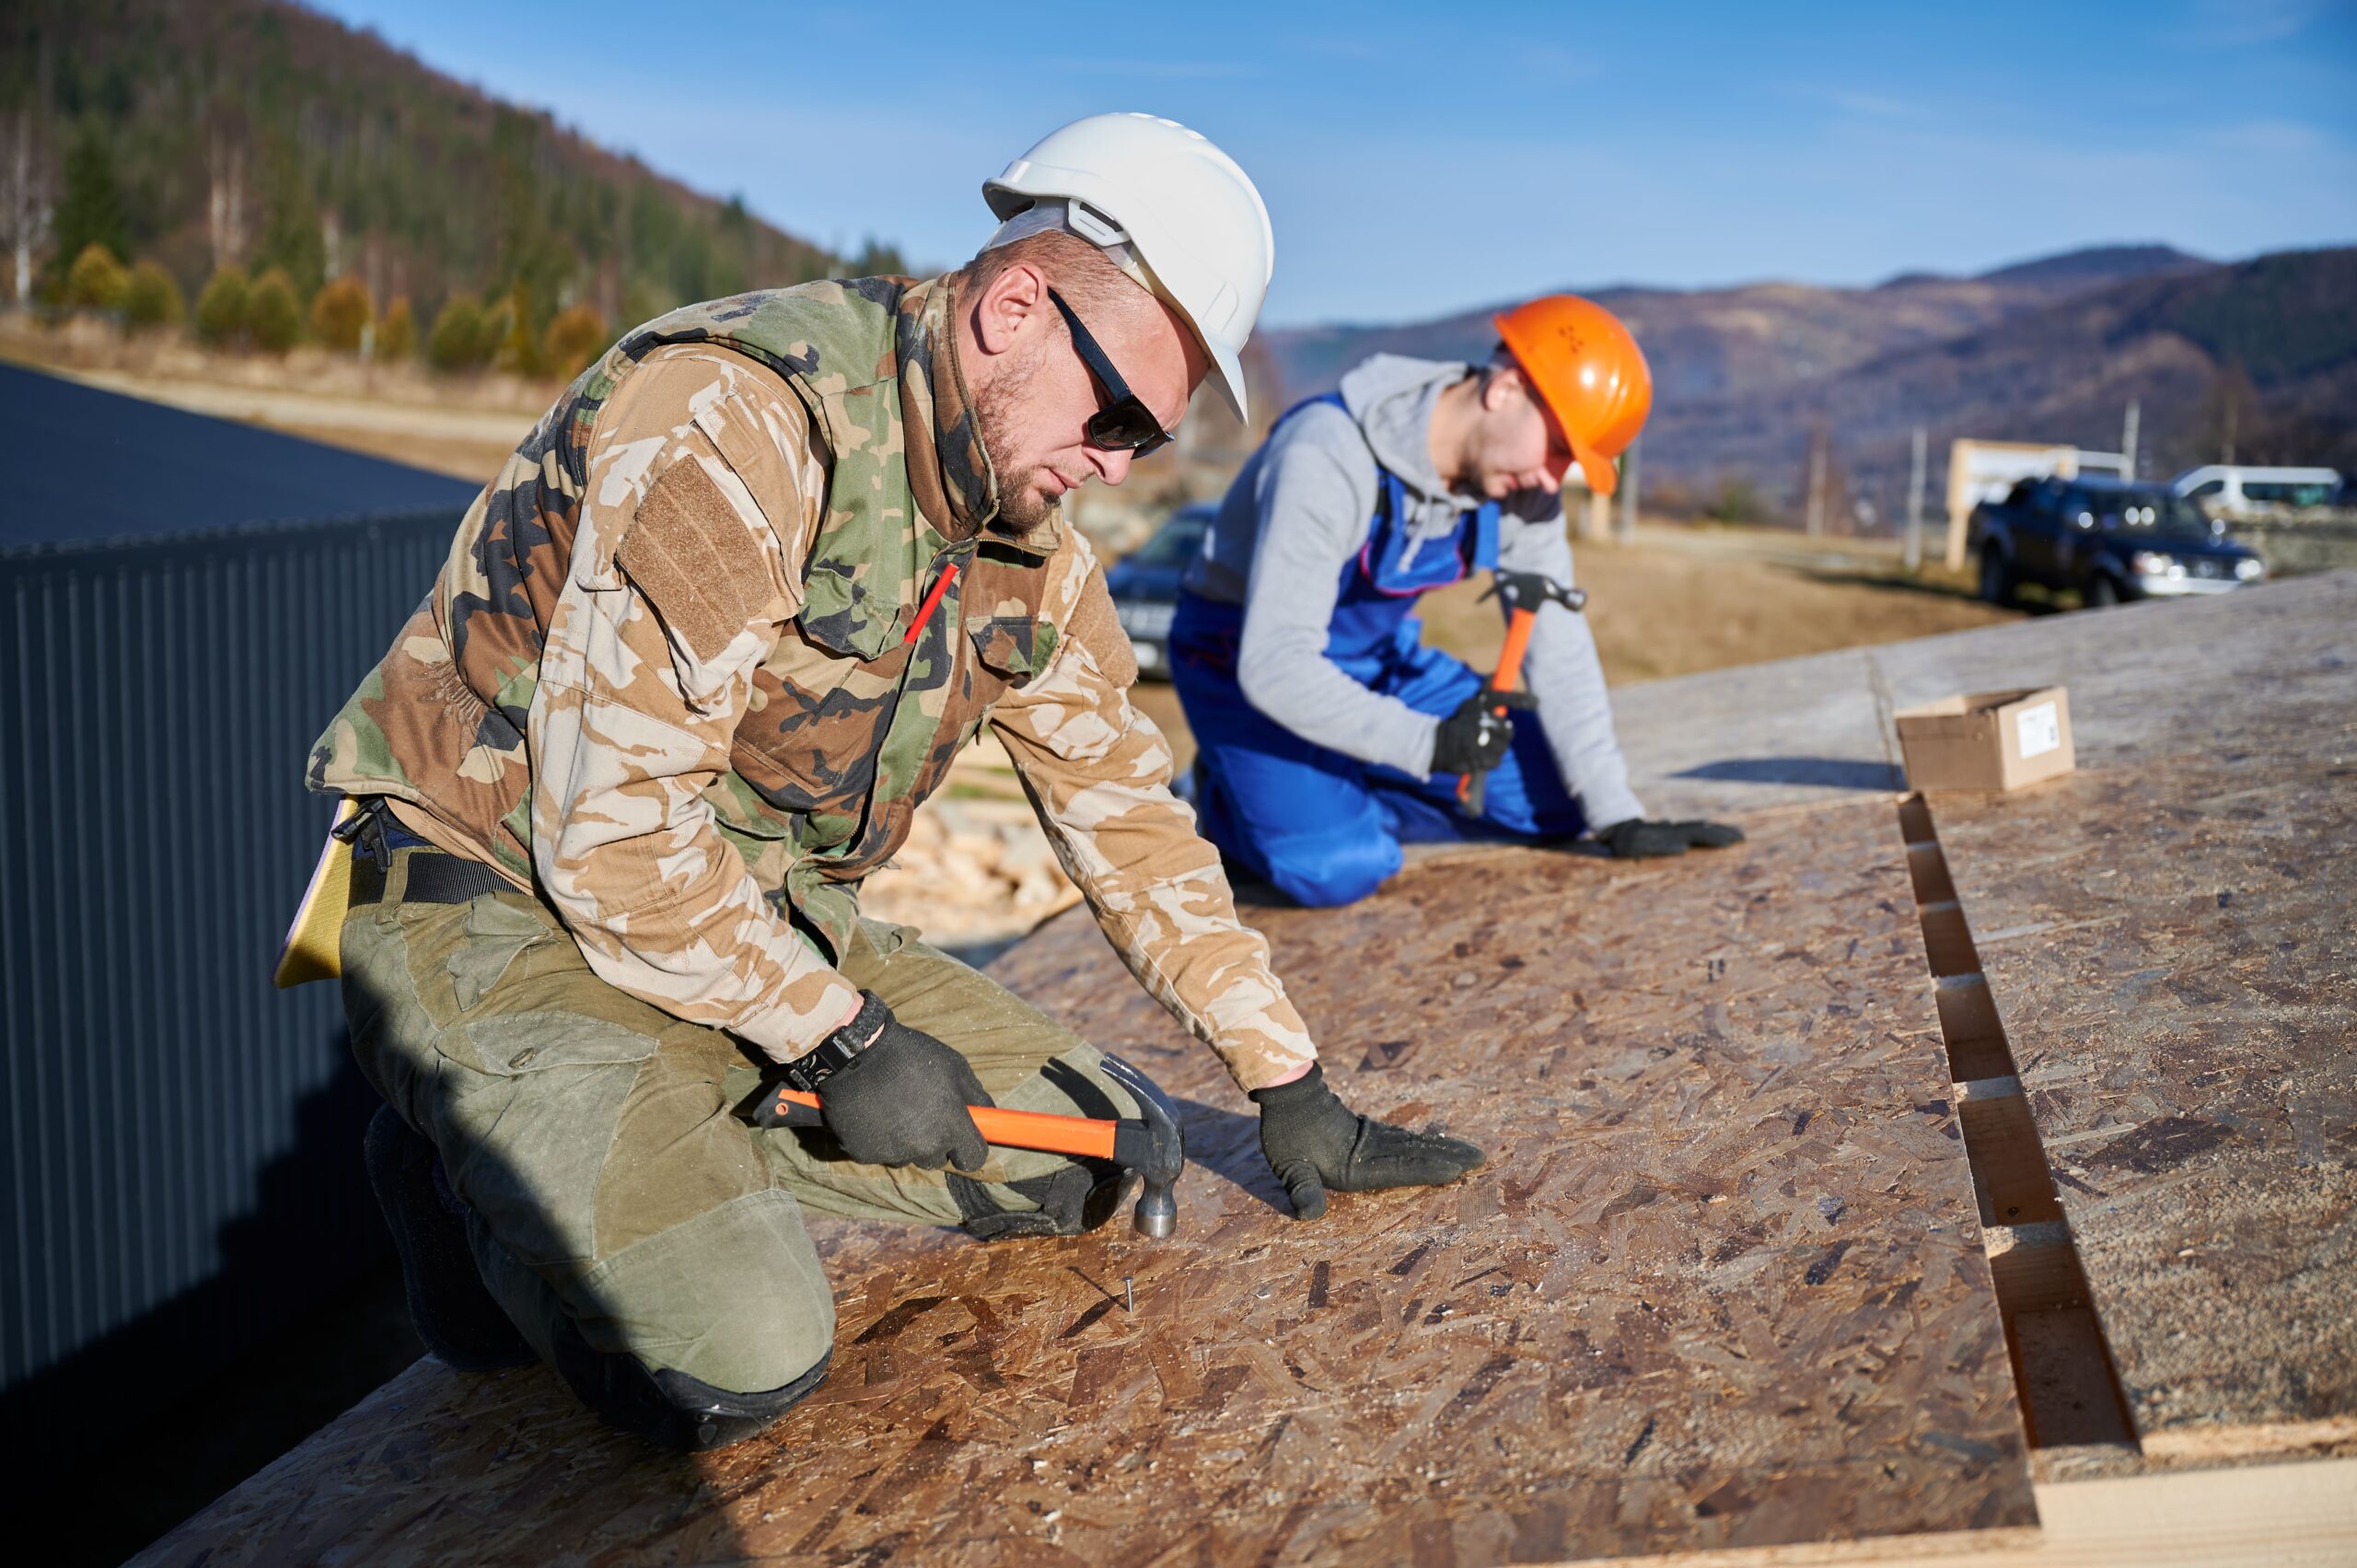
<point>257,133</point>
<point>2259,357</point>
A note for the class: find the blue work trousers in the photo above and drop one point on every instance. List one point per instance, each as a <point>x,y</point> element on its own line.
<point>1325,829</point>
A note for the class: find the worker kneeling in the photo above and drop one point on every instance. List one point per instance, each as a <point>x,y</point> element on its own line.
<point>1327,734</point>
<point>692,663</point>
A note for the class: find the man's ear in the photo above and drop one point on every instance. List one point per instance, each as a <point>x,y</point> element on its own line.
<point>1012,303</point>
<point>1503,387</point>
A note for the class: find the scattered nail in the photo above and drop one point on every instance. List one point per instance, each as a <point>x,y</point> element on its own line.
<point>1129,1294</point>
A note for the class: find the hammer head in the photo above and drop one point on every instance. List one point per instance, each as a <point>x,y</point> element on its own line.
<point>1158,1151</point>
<point>1529,590</point>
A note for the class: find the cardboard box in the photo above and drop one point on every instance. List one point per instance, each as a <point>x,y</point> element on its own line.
<point>1987,741</point>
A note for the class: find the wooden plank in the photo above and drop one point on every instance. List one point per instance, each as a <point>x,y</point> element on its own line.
<point>2170,944</point>
<point>2287,1515</point>
<point>1721,1289</point>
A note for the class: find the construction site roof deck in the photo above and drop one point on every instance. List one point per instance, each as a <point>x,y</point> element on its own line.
<point>1928,1179</point>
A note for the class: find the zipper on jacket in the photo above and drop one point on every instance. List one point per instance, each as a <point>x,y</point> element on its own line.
<point>932,600</point>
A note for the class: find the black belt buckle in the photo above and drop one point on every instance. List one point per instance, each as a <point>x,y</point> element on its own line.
<point>365,830</point>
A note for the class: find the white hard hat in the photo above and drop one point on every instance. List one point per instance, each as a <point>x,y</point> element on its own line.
<point>1181,206</point>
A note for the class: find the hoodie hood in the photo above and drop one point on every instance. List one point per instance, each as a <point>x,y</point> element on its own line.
<point>1392,397</point>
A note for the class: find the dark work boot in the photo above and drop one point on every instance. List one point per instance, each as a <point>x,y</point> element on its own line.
<point>462,1326</point>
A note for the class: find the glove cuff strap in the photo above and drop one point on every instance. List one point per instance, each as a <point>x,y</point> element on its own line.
<point>835,1052</point>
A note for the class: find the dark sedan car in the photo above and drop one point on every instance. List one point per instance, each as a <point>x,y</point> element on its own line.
<point>1144,585</point>
<point>2110,541</point>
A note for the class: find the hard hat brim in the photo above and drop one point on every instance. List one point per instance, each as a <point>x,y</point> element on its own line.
<point>1227,374</point>
<point>1602,473</point>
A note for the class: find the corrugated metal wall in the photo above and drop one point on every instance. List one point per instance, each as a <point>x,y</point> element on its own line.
<point>181,1173</point>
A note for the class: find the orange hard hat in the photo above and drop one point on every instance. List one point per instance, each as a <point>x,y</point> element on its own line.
<point>1588,371</point>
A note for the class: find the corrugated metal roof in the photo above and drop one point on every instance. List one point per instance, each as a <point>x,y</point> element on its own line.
<point>92,466</point>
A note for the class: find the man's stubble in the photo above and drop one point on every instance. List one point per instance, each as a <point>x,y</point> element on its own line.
<point>1023,509</point>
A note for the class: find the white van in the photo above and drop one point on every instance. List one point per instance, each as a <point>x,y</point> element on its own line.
<point>2239,492</point>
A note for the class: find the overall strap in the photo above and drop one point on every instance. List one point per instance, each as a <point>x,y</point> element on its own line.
<point>1485,538</point>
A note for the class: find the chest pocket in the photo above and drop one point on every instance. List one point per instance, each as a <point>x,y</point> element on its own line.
<point>1397,564</point>
<point>818,719</point>
<point>1013,647</point>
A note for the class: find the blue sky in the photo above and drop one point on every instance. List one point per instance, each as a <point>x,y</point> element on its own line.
<point>1422,158</point>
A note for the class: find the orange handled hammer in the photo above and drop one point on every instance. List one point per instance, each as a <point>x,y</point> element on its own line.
<point>1522,593</point>
<point>1149,1143</point>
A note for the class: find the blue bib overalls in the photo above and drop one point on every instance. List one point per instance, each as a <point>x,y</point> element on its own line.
<point>1321,827</point>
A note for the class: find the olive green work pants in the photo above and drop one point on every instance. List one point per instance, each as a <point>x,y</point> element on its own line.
<point>592,1137</point>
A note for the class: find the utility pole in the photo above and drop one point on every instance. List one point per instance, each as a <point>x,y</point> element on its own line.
<point>1597,522</point>
<point>1915,507</point>
<point>1630,467</point>
<point>1816,512</point>
<point>2127,437</point>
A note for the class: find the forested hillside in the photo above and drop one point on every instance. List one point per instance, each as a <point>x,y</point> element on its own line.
<point>252,135</point>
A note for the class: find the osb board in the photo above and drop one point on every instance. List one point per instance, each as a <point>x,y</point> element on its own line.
<point>1810,730</point>
<point>1721,1286</point>
<point>2170,945</point>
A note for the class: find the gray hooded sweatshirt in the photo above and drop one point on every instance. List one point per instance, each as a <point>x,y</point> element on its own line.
<point>1302,507</point>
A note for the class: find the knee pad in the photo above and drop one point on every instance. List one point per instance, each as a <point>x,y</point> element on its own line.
<point>668,1408</point>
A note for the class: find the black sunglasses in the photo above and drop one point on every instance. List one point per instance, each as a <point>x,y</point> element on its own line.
<point>1123,423</point>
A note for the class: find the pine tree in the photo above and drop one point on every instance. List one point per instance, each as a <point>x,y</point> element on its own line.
<point>152,299</point>
<point>456,341</point>
<point>340,312</point>
<point>220,308</point>
<point>273,315</point>
<point>575,337</point>
<point>290,235</point>
<point>96,281</point>
<point>397,334</point>
<point>91,211</point>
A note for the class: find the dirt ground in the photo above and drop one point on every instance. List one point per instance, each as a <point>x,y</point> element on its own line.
<point>977,872</point>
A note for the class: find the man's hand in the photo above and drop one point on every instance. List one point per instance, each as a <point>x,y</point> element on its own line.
<point>1637,839</point>
<point>1315,1145</point>
<point>1474,738</point>
<point>902,1101</point>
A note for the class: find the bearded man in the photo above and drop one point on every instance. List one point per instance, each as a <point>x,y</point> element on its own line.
<point>694,658</point>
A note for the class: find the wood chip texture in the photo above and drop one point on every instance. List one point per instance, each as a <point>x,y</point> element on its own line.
<point>1721,1285</point>
<point>2171,938</point>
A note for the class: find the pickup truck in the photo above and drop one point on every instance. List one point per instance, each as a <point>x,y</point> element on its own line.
<point>2107,540</point>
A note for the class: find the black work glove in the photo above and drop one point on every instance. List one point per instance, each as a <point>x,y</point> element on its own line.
<point>1474,738</point>
<point>903,1100</point>
<point>1637,839</point>
<point>1315,1144</point>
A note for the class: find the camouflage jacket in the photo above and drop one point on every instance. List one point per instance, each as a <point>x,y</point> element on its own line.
<point>720,625</point>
